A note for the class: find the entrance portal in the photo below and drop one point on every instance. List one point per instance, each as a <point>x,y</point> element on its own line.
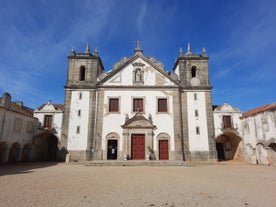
<point>163,150</point>
<point>228,146</point>
<point>112,149</point>
<point>138,146</point>
<point>46,147</point>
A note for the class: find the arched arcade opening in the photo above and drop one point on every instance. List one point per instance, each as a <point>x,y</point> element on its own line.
<point>229,147</point>
<point>46,145</point>
<point>3,152</point>
<point>14,153</point>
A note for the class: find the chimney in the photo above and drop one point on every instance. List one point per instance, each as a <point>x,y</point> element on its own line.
<point>5,100</point>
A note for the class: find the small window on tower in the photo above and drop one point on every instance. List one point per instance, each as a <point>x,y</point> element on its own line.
<point>79,112</point>
<point>78,130</point>
<point>193,71</point>
<point>82,73</point>
<point>197,130</point>
<point>195,96</point>
<point>80,96</point>
<point>196,113</point>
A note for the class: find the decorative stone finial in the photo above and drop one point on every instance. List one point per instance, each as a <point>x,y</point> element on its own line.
<point>73,53</point>
<point>181,52</point>
<point>126,118</point>
<point>150,118</point>
<point>87,50</point>
<point>96,52</point>
<point>204,54</point>
<point>189,49</point>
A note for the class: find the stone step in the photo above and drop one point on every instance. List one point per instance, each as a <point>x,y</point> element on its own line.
<point>136,163</point>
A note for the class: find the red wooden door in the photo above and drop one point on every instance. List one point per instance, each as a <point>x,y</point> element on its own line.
<point>163,150</point>
<point>138,146</point>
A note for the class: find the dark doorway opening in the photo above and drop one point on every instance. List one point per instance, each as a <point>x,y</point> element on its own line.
<point>220,150</point>
<point>46,147</point>
<point>112,149</point>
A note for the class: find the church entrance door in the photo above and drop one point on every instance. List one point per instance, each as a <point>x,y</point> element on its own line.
<point>112,149</point>
<point>138,146</point>
<point>163,150</point>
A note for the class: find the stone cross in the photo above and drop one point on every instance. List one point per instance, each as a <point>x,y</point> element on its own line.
<point>138,43</point>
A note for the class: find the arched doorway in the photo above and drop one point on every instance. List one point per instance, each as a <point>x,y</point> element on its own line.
<point>228,147</point>
<point>3,152</point>
<point>14,153</point>
<point>46,147</point>
<point>26,153</point>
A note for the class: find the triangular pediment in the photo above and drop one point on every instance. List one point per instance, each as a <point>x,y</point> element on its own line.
<point>138,70</point>
<point>138,121</point>
<point>227,108</point>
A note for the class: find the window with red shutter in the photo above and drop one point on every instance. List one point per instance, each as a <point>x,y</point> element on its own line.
<point>138,105</point>
<point>162,105</point>
<point>113,105</point>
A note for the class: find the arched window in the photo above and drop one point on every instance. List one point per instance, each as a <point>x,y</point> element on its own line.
<point>82,73</point>
<point>193,71</point>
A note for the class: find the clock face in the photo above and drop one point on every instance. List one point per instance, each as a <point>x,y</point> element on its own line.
<point>195,81</point>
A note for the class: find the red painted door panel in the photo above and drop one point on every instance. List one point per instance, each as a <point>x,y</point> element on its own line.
<point>163,150</point>
<point>138,147</point>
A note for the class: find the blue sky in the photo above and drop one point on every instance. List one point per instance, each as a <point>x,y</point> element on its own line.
<point>239,36</point>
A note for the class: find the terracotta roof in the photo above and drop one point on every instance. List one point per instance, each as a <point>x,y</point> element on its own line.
<point>23,110</point>
<point>56,106</point>
<point>260,109</point>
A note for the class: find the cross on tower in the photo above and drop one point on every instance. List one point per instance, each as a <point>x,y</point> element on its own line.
<point>138,44</point>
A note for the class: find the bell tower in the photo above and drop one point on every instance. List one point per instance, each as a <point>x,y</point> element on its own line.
<point>197,116</point>
<point>80,103</point>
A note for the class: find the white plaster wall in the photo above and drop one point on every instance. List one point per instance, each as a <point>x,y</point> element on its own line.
<point>78,141</point>
<point>125,76</point>
<point>57,119</point>
<point>9,135</point>
<point>218,121</point>
<point>197,142</point>
<point>258,131</point>
<point>112,121</point>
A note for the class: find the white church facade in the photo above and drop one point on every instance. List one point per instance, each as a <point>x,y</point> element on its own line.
<point>138,110</point>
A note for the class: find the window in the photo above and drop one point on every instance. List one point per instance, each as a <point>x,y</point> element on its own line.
<point>82,73</point>
<point>79,112</point>
<point>196,113</point>
<point>80,96</point>
<point>227,124</point>
<point>113,105</point>
<point>138,105</point>
<point>78,130</point>
<point>17,125</point>
<point>197,130</point>
<point>162,105</point>
<point>195,96</point>
<point>193,71</point>
<point>29,128</point>
<point>48,121</point>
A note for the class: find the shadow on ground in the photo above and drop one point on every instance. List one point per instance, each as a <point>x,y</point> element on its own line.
<point>21,168</point>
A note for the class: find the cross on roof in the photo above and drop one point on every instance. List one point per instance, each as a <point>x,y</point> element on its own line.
<point>138,44</point>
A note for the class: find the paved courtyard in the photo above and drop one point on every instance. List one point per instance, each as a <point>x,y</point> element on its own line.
<point>52,184</point>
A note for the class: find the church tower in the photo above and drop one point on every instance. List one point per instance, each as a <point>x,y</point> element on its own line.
<point>80,102</point>
<point>196,106</point>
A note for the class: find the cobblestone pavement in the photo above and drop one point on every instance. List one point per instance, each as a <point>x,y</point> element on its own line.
<point>51,184</point>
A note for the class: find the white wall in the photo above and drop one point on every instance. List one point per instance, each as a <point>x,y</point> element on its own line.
<point>78,141</point>
<point>164,121</point>
<point>197,142</point>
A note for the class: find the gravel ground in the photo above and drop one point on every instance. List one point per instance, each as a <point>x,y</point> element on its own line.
<point>51,184</point>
